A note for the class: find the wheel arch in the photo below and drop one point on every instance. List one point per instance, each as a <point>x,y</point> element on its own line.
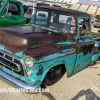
<point>63,65</point>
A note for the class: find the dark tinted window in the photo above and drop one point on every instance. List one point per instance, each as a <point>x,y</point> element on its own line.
<point>1,3</point>
<point>12,9</point>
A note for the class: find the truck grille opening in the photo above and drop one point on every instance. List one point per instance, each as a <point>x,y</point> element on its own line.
<point>12,63</point>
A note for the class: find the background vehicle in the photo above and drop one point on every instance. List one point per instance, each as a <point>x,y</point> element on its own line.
<point>12,13</point>
<point>97,21</point>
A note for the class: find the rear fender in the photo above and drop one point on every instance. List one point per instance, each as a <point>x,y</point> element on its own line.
<point>96,53</point>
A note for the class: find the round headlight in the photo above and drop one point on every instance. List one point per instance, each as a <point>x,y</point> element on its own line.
<point>29,63</point>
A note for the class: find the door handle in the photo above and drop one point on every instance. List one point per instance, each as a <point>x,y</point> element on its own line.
<point>3,16</point>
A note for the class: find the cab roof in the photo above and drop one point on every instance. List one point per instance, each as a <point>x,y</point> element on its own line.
<point>12,0</point>
<point>74,12</point>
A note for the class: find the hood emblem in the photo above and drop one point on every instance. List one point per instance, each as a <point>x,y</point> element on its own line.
<point>3,49</point>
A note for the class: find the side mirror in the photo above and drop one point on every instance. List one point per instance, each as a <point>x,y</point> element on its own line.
<point>9,13</point>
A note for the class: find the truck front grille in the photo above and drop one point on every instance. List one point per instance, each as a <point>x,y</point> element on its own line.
<point>12,63</point>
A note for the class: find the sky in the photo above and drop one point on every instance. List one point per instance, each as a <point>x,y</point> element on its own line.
<point>90,2</point>
<point>84,1</point>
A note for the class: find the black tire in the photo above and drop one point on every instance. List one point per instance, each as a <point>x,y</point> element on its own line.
<point>53,75</point>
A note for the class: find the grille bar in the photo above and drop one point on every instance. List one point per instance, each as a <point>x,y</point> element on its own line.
<point>4,62</point>
<point>12,63</point>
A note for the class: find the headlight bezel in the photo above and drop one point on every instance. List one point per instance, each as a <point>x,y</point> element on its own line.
<point>29,62</point>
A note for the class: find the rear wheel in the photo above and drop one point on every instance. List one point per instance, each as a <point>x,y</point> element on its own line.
<point>53,75</point>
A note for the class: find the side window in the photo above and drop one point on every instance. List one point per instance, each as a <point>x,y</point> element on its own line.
<point>5,9</point>
<point>69,22</point>
<point>14,9</point>
<point>41,18</point>
<point>84,27</point>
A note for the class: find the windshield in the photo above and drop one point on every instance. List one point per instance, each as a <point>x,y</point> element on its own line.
<point>63,22</point>
<point>1,3</point>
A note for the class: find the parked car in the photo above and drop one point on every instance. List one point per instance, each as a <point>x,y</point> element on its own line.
<point>97,21</point>
<point>56,39</point>
<point>12,13</point>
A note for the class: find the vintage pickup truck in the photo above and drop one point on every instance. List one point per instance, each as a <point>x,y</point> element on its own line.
<point>12,13</point>
<point>56,39</point>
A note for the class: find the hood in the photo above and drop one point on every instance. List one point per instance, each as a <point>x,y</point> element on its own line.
<point>18,38</point>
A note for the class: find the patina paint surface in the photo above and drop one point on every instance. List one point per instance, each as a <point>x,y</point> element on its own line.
<point>48,48</point>
<point>16,39</point>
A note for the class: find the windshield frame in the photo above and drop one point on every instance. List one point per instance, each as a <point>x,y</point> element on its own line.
<point>3,4</point>
<point>62,12</point>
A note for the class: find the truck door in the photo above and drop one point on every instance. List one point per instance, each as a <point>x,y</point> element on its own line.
<point>85,44</point>
<point>12,15</point>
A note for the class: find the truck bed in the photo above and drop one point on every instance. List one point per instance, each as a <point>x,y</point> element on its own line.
<point>95,35</point>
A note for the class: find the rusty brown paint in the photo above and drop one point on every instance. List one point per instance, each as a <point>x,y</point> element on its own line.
<point>96,50</point>
<point>40,52</point>
<point>48,67</point>
<point>78,66</point>
<point>79,57</point>
<point>40,71</point>
<point>37,82</point>
<point>74,12</point>
<point>40,65</point>
<point>54,64</point>
<point>27,79</point>
<point>18,38</point>
<point>86,47</point>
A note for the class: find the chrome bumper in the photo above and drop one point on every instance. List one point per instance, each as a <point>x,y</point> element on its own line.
<point>19,83</point>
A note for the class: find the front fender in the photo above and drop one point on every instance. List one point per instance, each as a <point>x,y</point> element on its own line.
<point>68,62</point>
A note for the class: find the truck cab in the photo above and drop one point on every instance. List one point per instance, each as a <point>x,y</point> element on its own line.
<point>12,13</point>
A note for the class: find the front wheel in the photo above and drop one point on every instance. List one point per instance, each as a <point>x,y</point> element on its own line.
<point>53,75</point>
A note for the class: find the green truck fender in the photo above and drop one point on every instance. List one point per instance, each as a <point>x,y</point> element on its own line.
<point>10,16</point>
